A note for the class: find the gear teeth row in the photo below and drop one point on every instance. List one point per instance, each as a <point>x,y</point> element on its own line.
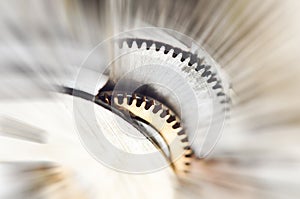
<point>187,57</point>
<point>146,103</point>
<point>158,45</point>
<point>163,119</point>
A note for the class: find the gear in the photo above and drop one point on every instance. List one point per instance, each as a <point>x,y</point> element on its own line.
<point>192,61</point>
<point>161,118</point>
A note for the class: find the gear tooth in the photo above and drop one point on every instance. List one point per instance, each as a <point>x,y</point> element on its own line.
<point>143,102</point>
<point>171,52</point>
<point>167,117</point>
<point>116,101</point>
<point>188,154</point>
<point>125,100</point>
<point>188,151</point>
<point>153,46</point>
<point>134,45</point>
<point>144,46</point>
<point>179,57</point>
<point>173,122</point>
<point>195,65</point>
<point>134,102</point>
<point>162,49</point>
<point>178,130</point>
<point>151,108</point>
<point>143,105</point>
<point>186,61</point>
<point>186,145</point>
<point>125,44</point>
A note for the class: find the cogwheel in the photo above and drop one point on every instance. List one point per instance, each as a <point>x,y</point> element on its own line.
<point>190,61</point>
<point>162,119</point>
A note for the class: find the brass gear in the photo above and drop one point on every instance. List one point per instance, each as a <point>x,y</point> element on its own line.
<point>162,119</point>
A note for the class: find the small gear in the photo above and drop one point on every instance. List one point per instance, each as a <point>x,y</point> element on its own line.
<point>161,118</point>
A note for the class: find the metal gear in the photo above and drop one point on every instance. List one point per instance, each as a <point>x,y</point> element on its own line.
<point>162,119</point>
<point>192,61</point>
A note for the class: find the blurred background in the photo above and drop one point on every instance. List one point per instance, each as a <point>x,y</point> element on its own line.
<point>43,44</point>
